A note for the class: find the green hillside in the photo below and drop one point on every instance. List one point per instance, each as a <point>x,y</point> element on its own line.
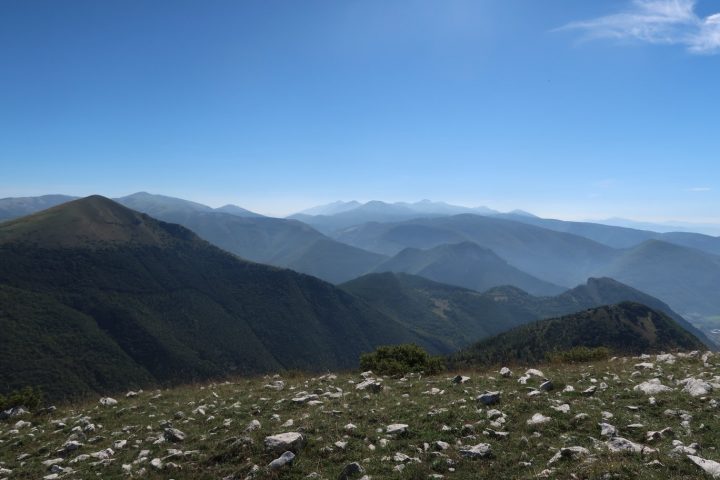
<point>452,317</point>
<point>447,316</point>
<point>626,329</point>
<point>154,302</point>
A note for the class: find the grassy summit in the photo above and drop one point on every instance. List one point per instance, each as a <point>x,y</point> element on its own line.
<point>220,429</point>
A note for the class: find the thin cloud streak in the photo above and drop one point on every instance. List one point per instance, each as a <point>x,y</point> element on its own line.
<point>662,22</point>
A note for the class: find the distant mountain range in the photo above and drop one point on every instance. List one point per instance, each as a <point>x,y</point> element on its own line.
<point>626,329</point>
<point>538,255</point>
<point>274,241</point>
<point>467,265</point>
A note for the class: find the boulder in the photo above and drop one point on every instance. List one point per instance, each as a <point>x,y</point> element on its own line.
<point>282,442</point>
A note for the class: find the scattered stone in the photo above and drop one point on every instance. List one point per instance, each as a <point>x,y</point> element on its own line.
<point>351,470</point>
<point>253,425</point>
<point>460,379</point>
<point>284,459</point>
<point>505,372</point>
<point>619,445</point>
<point>440,445</point>
<point>710,467</point>
<point>547,385</point>
<point>538,419</point>
<point>652,387</point>
<point>489,398</point>
<point>481,450</point>
<point>108,402</point>
<point>292,441</point>
<point>569,453</point>
<point>696,387</point>
<point>396,429</point>
<point>174,435</point>
<point>370,384</point>
<point>590,391</point>
<point>607,430</point>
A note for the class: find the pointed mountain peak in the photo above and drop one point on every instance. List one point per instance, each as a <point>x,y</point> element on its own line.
<point>90,222</point>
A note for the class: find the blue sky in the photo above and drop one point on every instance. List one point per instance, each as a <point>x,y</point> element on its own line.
<point>570,109</point>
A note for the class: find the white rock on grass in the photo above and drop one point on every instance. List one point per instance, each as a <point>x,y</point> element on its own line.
<point>396,428</point>
<point>370,384</point>
<point>710,467</point>
<point>607,430</point>
<point>253,425</point>
<point>652,387</point>
<point>481,450</point>
<point>569,453</point>
<point>538,419</point>
<point>284,459</point>
<point>460,379</point>
<point>108,402</point>
<point>696,387</point>
<point>174,435</point>
<point>289,441</point>
<point>620,445</point>
<point>505,372</point>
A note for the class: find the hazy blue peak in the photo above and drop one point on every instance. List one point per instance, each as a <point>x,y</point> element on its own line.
<point>238,211</point>
<point>331,208</point>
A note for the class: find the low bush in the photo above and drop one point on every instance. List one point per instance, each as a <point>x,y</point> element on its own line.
<point>401,359</point>
<point>28,397</point>
<point>579,355</point>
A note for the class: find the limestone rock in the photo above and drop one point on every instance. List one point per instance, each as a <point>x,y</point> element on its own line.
<point>481,450</point>
<point>284,459</point>
<point>289,441</point>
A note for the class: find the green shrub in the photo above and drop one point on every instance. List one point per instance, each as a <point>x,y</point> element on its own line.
<point>28,397</point>
<point>579,355</point>
<point>401,359</point>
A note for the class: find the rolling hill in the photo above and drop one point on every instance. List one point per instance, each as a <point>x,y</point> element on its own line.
<point>559,258</point>
<point>467,265</point>
<point>621,237</point>
<point>103,297</point>
<point>626,329</point>
<point>685,278</point>
<point>455,317</point>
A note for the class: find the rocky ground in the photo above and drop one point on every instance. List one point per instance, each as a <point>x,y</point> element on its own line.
<point>646,418</point>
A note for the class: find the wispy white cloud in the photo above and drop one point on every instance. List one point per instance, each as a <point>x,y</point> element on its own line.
<point>668,22</point>
<point>699,189</point>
